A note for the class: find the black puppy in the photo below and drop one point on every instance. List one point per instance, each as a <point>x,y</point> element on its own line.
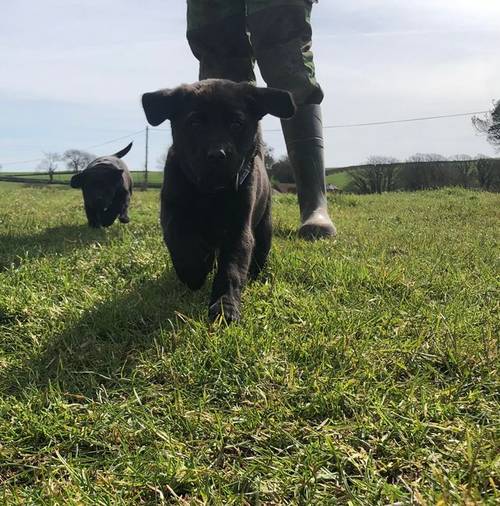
<point>106,185</point>
<point>216,197</point>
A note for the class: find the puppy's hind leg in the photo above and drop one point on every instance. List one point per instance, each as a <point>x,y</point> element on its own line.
<point>263,237</point>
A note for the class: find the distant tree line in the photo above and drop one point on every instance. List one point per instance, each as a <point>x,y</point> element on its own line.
<point>420,171</point>
<point>424,171</point>
<point>278,169</point>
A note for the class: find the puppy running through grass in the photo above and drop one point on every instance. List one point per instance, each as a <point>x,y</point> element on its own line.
<point>106,185</point>
<point>216,196</point>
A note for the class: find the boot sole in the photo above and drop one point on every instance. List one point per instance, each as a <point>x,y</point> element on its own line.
<point>311,232</point>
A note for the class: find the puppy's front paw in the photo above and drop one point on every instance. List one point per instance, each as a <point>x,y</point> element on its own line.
<point>226,309</point>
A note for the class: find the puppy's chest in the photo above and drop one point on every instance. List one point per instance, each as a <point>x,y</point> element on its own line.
<point>216,217</point>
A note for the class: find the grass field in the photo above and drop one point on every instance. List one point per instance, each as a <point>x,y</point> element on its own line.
<point>153,177</point>
<point>339,179</point>
<point>365,370</point>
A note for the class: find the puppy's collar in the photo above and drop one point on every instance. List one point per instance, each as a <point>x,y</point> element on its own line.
<point>243,172</point>
<point>241,175</point>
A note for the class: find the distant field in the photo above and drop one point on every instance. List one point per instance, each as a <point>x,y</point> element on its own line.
<point>364,372</point>
<point>153,177</point>
<point>339,179</point>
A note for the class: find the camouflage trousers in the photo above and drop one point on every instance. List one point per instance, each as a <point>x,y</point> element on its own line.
<point>228,36</point>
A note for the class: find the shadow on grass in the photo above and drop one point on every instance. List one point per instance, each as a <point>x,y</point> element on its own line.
<point>17,248</point>
<point>104,345</point>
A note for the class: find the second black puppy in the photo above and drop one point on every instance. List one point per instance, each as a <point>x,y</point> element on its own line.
<point>216,196</point>
<point>106,185</point>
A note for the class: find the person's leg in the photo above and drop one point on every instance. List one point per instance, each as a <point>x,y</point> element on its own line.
<point>217,35</point>
<point>304,142</point>
<point>281,39</point>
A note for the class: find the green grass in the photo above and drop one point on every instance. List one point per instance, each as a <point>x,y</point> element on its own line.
<point>138,176</point>
<point>340,179</point>
<point>365,370</point>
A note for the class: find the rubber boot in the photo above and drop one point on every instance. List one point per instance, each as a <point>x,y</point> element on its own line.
<point>304,141</point>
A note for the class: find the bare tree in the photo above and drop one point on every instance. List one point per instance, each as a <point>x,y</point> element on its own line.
<point>269,158</point>
<point>464,169</point>
<point>386,170</point>
<point>427,157</point>
<point>488,172</point>
<point>489,125</point>
<point>49,164</point>
<point>376,177</point>
<point>360,181</point>
<point>282,170</point>
<point>76,159</point>
<point>426,170</point>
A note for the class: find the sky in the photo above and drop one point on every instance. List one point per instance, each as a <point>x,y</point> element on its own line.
<point>72,73</point>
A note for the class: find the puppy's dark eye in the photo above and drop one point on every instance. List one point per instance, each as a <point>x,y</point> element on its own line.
<point>236,125</point>
<point>195,123</point>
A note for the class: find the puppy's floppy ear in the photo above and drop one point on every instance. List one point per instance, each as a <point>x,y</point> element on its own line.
<point>272,101</point>
<point>162,104</point>
<point>77,180</point>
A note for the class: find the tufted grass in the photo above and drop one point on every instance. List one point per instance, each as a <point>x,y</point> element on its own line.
<point>365,370</point>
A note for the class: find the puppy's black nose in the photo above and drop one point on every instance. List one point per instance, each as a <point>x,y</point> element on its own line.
<point>217,155</point>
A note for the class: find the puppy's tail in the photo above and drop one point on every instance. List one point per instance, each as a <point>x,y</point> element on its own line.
<point>124,151</point>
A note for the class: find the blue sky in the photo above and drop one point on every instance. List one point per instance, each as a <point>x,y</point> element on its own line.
<point>72,73</point>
